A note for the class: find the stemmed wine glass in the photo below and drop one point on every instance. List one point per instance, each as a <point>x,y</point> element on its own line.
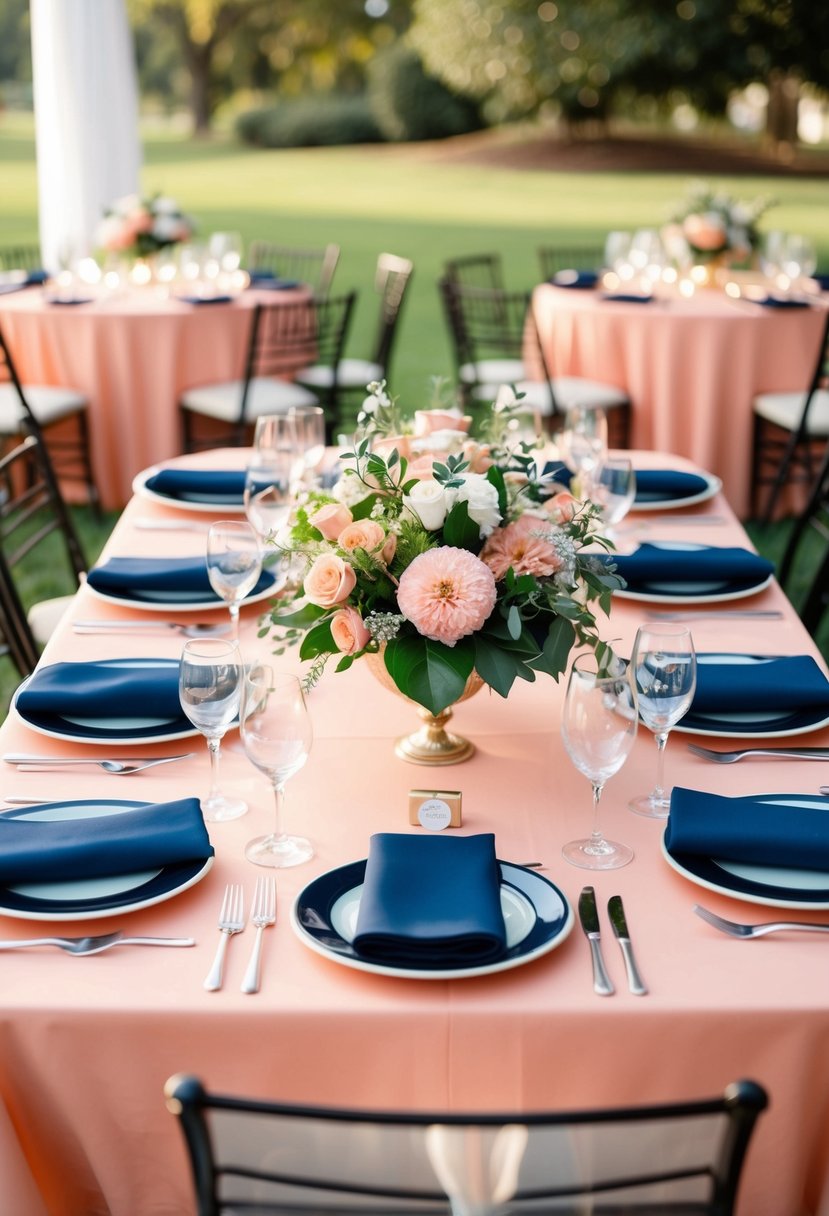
<point>269,475</point>
<point>309,421</point>
<point>598,728</point>
<point>210,691</point>
<point>612,487</point>
<point>664,668</point>
<point>277,736</point>
<point>234,563</point>
<point>582,441</point>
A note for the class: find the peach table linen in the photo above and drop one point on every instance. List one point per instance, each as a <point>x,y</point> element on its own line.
<point>690,367</point>
<point>87,1044</point>
<point>132,355</point>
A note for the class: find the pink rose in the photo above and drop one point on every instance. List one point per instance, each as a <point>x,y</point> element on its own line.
<point>348,631</point>
<point>562,507</point>
<point>428,421</point>
<point>363,534</point>
<point>389,548</point>
<point>385,445</point>
<point>421,468</point>
<point>331,519</point>
<point>706,232</point>
<point>478,455</point>
<point>329,581</point>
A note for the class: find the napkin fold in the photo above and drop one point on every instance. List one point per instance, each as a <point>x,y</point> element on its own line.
<point>99,690</point>
<point>140,838</point>
<point>205,299</point>
<point>147,577</point>
<point>786,684</point>
<point>627,297</point>
<point>431,901</point>
<point>657,484</point>
<point>751,829</point>
<point>658,563</point>
<point>575,278</point>
<point>782,302</point>
<point>199,485</point>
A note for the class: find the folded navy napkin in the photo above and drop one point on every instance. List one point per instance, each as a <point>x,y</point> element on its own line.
<point>751,829</point>
<point>656,563</point>
<point>141,838</point>
<point>656,484</point>
<point>199,485</point>
<point>575,278</point>
<point>267,280</point>
<point>782,302</point>
<point>146,577</point>
<point>36,277</point>
<point>822,281</point>
<point>205,299</point>
<point>431,901</point>
<point>789,683</point>
<point>67,303</point>
<point>101,690</point>
<point>627,297</point>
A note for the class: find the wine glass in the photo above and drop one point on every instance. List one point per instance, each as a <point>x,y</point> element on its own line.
<point>612,487</point>
<point>617,250</point>
<point>582,441</point>
<point>225,248</point>
<point>210,691</point>
<point>234,563</point>
<point>277,736</point>
<point>309,421</point>
<point>598,728</point>
<point>799,258</point>
<point>664,668</point>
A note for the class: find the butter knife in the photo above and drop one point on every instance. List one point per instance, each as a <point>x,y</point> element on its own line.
<point>617,919</point>
<point>589,917</point>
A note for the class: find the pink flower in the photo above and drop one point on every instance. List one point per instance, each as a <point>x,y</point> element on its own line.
<point>447,594</point>
<point>385,445</point>
<point>562,507</point>
<point>331,519</point>
<point>348,631</point>
<point>428,421</point>
<point>706,232</point>
<point>516,546</point>
<point>329,581</point>
<point>478,455</point>
<point>363,534</point>
<point>422,466</point>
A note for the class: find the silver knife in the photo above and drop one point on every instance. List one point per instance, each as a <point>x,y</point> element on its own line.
<point>617,919</point>
<point>589,917</point>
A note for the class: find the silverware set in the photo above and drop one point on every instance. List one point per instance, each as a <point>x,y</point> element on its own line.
<point>120,767</point>
<point>232,920</point>
<point>589,918</point>
<point>790,753</point>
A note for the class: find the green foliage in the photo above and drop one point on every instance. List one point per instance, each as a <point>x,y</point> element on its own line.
<point>313,121</point>
<point>410,104</point>
<point>430,673</point>
<point>412,540</point>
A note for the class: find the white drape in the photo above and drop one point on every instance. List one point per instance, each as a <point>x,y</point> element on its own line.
<point>86,119</point>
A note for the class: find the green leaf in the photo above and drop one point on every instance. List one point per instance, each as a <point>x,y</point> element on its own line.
<point>496,666</point>
<point>317,641</point>
<point>496,478</point>
<point>461,531</point>
<point>301,619</point>
<point>514,624</point>
<point>364,507</point>
<point>557,646</point>
<point>430,673</point>
<point>345,662</point>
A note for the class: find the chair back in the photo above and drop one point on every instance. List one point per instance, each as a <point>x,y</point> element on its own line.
<point>552,259</point>
<point>676,1158</point>
<point>313,267</point>
<point>804,567</point>
<point>8,375</point>
<point>481,270</point>
<point>20,257</point>
<point>391,281</point>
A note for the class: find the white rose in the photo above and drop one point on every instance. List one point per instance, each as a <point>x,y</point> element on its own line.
<point>165,206</point>
<point>428,502</point>
<point>166,228</point>
<point>505,398</point>
<point>481,499</point>
<point>439,441</point>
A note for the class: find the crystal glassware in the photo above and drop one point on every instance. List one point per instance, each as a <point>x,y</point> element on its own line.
<point>234,563</point>
<point>277,736</point>
<point>582,441</point>
<point>598,728</point>
<point>309,421</point>
<point>611,486</point>
<point>663,667</point>
<point>210,691</point>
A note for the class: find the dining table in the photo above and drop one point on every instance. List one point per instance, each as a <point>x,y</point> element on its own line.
<point>87,1044</point>
<point>132,352</point>
<point>691,365</point>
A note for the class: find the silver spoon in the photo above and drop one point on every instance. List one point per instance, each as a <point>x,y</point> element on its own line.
<point>95,945</point>
<point>187,631</point>
<point>31,764</point>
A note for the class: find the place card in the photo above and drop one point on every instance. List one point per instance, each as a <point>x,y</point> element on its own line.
<point>435,809</point>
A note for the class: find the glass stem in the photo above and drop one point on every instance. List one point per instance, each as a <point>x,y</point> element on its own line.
<point>214,746</point>
<point>234,621</point>
<point>596,837</point>
<point>661,740</point>
<point>279,806</point>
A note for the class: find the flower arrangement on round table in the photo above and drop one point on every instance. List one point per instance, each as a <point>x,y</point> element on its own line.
<point>139,227</point>
<point>449,555</point>
<point>714,224</point>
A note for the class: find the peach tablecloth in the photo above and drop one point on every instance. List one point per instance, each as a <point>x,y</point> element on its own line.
<point>132,355</point>
<point>86,1044</point>
<point>690,367</point>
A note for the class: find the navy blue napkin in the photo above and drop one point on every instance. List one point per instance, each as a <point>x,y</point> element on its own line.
<point>822,281</point>
<point>627,297</point>
<point>792,682</point>
<point>266,280</point>
<point>654,485</point>
<point>575,278</point>
<point>65,303</point>
<point>101,690</point>
<point>782,302</point>
<point>431,901</point>
<point>221,486</point>
<point>141,838</point>
<point>147,577</point>
<point>750,829</point>
<point>655,564</point>
<point>35,277</point>
<point>206,299</point>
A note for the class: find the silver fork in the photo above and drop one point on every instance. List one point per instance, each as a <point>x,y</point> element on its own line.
<point>733,929</point>
<point>793,753</point>
<point>264,914</point>
<point>231,920</point>
<point>767,614</point>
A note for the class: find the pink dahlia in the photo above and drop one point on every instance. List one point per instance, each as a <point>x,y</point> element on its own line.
<point>516,546</point>
<point>447,594</point>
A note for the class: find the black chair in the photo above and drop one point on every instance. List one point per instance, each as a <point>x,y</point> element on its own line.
<point>284,336</point>
<point>495,341</point>
<point>552,259</point>
<point>482,270</point>
<point>58,414</point>
<point>351,375</point>
<point>802,549</point>
<point>20,257</point>
<point>679,1158</point>
<point>791,432</point>
<point>313,267</point>
<point>31,511</point>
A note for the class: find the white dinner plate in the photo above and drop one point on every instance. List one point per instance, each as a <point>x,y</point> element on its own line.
<point>92,898</point>
<point>714,485</point>
<point>537,917</point>
<point>166,601</point>
<point>218,507</point>
<point>712,591</point>
<point>749,723</point>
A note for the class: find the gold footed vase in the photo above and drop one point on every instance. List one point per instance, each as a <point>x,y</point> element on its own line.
<point>432,743</point>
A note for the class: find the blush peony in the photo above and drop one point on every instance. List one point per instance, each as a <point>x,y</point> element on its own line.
<point>516,546</point>
<point>447,594</point>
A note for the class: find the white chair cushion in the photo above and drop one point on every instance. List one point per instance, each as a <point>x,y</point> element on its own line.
<point>351,373</point>
<point>265,396</point>
<point>48,405</point>
<point>536,395</point>
<point>43,617</point>
<point>493,371</point>
<point>569,391</point>
<point>784,409</point>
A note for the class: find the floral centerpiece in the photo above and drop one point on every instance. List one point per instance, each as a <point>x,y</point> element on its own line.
<point>714,224</point>
<point>139,227</point>
<point>446,555</point>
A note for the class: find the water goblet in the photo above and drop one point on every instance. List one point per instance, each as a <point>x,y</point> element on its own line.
<point>663,667</point>
<point>598,728</point>
<point>226,249</point>
<point>210,691</point>
<point>582,441</point>
<point>277,736</point>
<point>309,421</point>
<point>267,496</point>
<point>612,488</point>
<point>234,563</point>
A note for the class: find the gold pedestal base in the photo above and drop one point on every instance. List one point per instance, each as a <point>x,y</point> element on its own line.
<point>433,744</point>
